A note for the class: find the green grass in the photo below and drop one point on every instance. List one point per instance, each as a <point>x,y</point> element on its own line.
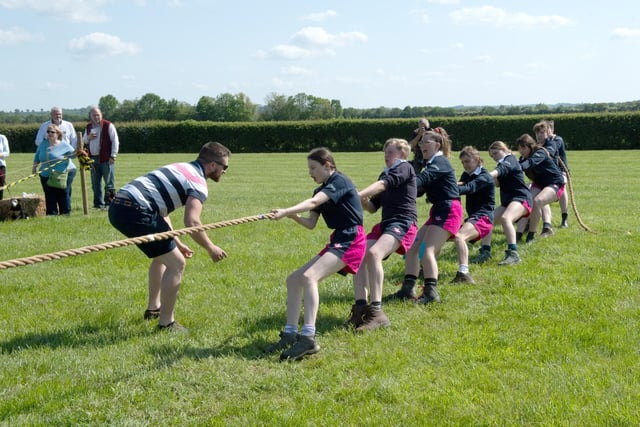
<point>552,341</point>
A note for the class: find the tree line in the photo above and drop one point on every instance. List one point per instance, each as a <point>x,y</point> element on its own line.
<point>238,107</point>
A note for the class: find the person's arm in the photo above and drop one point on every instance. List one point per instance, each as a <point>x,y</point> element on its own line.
<point>366,194</point>
<point>41,133</point>
<point>73,138</point>
<point>192,213</point>
<point>304,206</point>
<point>184,249</point>
<point>4,147</point>
<point>115,143</point>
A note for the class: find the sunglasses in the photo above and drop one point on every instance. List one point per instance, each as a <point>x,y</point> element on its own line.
<point>224,167</point>
<point>51,131</point>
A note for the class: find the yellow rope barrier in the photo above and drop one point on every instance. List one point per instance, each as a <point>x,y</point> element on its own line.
<point>53,163</point>
<point>131,241</point>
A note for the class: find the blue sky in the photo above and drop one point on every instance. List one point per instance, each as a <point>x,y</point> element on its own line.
<point>364,53</point>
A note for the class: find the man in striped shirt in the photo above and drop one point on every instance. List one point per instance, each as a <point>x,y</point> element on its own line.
<point>142,207</point>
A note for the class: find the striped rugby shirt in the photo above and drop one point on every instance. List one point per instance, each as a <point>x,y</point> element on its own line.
<point>167,189</point>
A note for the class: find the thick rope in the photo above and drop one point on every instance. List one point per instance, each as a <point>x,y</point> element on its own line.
<point>131,241</point>
<point>573,200</point>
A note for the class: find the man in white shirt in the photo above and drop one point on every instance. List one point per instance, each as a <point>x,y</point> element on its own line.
<point>68,131</point>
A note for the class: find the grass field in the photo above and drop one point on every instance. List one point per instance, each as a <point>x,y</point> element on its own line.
<point>552,341</point>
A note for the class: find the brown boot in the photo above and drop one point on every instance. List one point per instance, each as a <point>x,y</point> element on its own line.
<point>357,316</point>
<point>373,319</point>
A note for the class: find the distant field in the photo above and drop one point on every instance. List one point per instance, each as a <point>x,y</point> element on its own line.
<point>551,341</point>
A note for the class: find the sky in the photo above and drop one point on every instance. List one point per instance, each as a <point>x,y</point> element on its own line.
<point>366,54</point>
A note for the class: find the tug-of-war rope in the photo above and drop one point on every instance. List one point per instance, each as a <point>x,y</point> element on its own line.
<point>573,200</point>
<point>127,242</point>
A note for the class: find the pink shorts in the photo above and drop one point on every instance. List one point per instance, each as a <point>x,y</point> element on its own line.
<point>446,215</point>
<point>399,230</point>
<point>558,189</point>
<point>349,247</point>
<point>483,226</point>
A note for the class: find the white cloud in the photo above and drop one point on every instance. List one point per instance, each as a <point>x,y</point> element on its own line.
<point>626,33</point>
<point>101,44</point>
<point>311,42</point>
<point>489,15</point>
<point>85,11</point>
<point>322,16</point>
<point>17,35</point>
<point>128,77</point>
<point>318,36</point>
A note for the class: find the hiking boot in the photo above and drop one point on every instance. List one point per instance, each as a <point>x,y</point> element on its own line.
<point>483,256</point>
<point>356,319</point>
<point>287,339</point>
<point>151,314</point>
<point>373,319</point>
<point>429,295</point>
<point>510,257</point>
<point>462,278</point>
<point>546,232</point>
<point>173,327</point>
<point>305,345</point>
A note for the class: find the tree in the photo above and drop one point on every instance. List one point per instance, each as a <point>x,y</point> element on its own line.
<point>151,107</point>
<point>205,108</point>
<point>233,108</point>
<point>108,104</point>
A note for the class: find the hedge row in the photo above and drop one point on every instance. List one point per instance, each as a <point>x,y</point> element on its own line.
<point>581,132</point>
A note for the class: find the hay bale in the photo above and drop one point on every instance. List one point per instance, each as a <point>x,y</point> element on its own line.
<point>21,207</point>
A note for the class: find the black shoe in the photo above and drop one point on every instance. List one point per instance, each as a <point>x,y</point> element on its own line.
<point>287,339</point>
<point>173,327</point>
<point>429,295</point>
<point>305,346</point>
<point>405,293</point>
<point>483,256</point>
<point>463,278</point>
<point>357,316</point>
<point>151,314</point>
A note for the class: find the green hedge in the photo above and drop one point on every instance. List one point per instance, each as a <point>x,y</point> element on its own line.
<point>581,132</point>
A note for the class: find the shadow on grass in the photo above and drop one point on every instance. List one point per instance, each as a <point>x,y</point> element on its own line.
<point>236,346</point>
<point>87,335</point>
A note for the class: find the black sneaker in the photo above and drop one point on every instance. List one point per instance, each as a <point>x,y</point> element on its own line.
<point>287,339</point>
<point>305,346</point>
<point>173,327</point>
<point>483,256</point>
<point>151,314</point>
<point>564,224</point>
<point>405,293</point>
<point>546,232</point>
<point>463,278</point>
<point>429,295</point>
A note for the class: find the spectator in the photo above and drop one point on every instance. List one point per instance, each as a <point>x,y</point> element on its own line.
<point>4,153</point>
<point>102,139</point>
<point>54,156</point>
<point>68,135</point>
<point>418,161</point>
